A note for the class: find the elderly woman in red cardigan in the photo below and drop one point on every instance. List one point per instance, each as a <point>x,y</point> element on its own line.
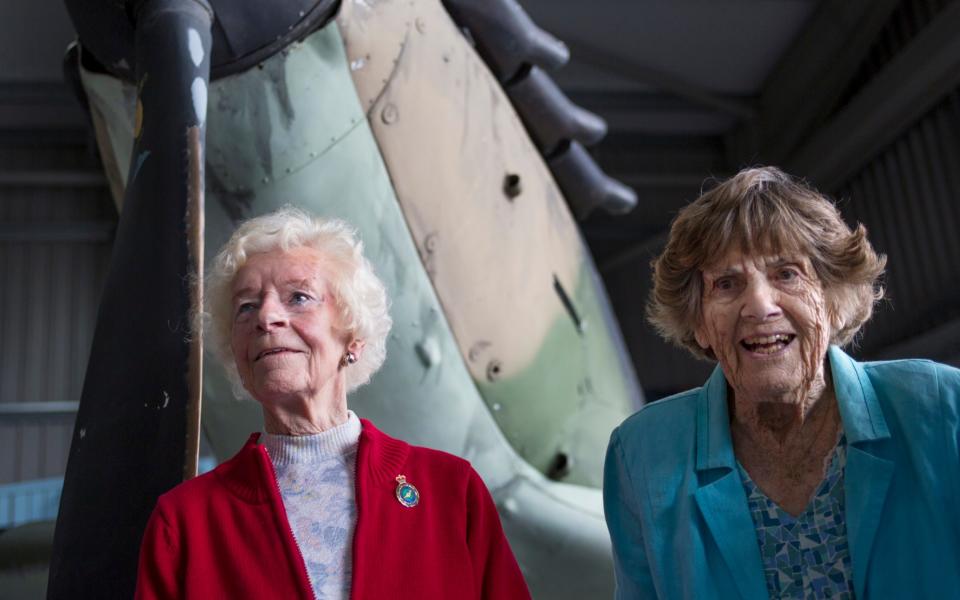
<point>322,504</point>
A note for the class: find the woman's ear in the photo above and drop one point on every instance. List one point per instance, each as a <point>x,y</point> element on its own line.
<point>701,336</point>
<point>356,346</point>
<point>833,314</point>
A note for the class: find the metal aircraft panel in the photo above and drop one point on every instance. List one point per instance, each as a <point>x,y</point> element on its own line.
<point>267,147</point>
<point>495,235</point>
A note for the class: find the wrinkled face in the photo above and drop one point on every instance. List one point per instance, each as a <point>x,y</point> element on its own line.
<point>284,339</point>
<point>766,319</point>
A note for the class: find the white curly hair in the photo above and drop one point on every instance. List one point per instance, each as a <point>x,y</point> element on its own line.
<point>360,296</point>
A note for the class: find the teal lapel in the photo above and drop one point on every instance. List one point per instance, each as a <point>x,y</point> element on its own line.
<point>867,482</point>
<point>868,475</point>
<point>721,497</point>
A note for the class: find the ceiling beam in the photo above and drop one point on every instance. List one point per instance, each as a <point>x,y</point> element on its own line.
<point>592,54</point>
<point>44,105</point>
<point>38,409</point>
<point>910,85</point>
<point>72,178</point>
<point>58,231</point>
<point>809,79</point>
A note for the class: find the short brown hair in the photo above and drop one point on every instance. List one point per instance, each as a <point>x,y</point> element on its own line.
<point>763,210</point>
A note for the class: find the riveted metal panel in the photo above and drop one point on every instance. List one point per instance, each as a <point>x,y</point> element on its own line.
<point>424,393</point>
<point>507,261</point>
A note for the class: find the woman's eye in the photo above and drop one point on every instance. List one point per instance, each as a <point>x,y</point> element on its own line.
<point>723,284</point>
<point>788,274</point>
<point>299,297</point>
<point>245,307</point>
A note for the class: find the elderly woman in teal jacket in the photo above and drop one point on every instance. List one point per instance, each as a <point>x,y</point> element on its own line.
<point>795,471</point>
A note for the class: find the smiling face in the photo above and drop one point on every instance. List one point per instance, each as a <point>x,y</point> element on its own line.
<point>284,338</point>
<point>766,320</point>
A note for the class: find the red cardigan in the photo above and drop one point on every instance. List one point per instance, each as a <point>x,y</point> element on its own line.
<point>225,534</point>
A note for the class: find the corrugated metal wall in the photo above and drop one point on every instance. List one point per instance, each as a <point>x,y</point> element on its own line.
<point>908,199</point>
<point>907,196</point>
<point>56,225</point>
<point>906,21</point>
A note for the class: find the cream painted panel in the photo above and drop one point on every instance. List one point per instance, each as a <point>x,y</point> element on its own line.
<point>450,137</point>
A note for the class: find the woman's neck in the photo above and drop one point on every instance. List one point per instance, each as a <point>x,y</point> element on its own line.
<point>299,423</point>
<point>784,427</point>
<point>786,448</point>
<point>306,414</point>
<point>780,420</point>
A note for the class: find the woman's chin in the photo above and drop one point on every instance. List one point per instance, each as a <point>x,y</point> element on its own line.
<point>277,392</point>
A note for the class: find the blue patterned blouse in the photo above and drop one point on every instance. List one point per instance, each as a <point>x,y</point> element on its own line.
<point>805,556</point>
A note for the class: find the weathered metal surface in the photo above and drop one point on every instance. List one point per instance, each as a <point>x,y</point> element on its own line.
<point>517,52</point>
<point>587,187</point>
<point>424,393</point>
<point>550,116</point>
<point>194,221</point>
<point>506,36</point>
<point>449,138</point>
<point>244,32</point>
<point>132,425</point>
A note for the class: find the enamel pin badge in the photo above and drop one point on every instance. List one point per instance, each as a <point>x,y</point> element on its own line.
<point>407,494</point>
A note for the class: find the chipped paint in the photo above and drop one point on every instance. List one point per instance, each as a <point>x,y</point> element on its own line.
<point>138,120</point>
<point>141,158</point>
<point>138,115</point>
<point>198,91</point>
<point>195,45</point>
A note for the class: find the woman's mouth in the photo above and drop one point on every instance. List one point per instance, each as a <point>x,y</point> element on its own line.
<point>271,352</point>
<point>767,344</point>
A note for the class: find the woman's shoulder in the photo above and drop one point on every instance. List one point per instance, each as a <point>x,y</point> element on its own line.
<point>922,396</point>
<point>383,448</point>
<point>235,478</point>
<point>678,409</point>
<point>921,380</point>
<point>438,461</point>
<point>659,437</point>
<point>186,498</point>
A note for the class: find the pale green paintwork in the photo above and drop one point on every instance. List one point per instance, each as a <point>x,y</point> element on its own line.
<point>281,149</point>
<point>576,390</point>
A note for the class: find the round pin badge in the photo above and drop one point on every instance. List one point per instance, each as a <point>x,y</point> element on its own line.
<point>407,493</point>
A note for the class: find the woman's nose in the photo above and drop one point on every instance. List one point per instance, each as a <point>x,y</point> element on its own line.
<point>761,301</point>
<point>271,314</point>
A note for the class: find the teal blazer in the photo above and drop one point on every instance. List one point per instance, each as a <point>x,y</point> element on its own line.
<point>677,511</point>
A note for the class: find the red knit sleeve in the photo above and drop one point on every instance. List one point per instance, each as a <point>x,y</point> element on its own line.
<point>158,571</point>
<point>495,569</point>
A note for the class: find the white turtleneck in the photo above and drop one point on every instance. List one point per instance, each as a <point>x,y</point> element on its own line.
<point>317,479</point>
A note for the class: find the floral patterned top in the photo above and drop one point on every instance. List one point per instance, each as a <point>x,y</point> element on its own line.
<point>805,556</point>
<point>316,475</point>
